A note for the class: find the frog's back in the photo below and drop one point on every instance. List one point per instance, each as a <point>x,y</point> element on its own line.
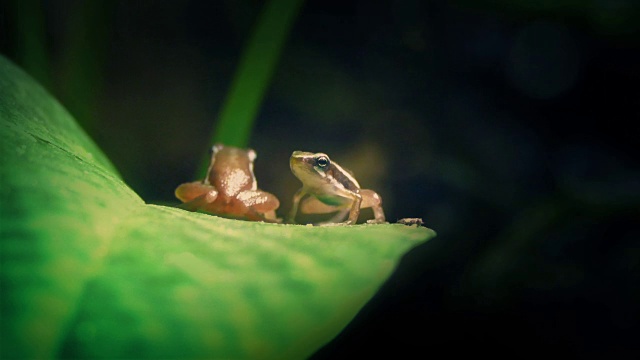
<point>232,172</point>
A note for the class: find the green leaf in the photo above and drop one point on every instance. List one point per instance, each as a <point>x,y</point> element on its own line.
<point>89,270</point>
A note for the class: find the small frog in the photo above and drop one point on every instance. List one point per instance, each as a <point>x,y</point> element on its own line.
<point>331,188</point>
<point>230,188</point>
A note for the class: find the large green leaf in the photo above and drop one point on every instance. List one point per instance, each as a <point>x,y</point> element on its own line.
<point>90,270</point>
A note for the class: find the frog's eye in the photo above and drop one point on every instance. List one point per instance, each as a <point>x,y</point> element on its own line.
<point>322,161</point>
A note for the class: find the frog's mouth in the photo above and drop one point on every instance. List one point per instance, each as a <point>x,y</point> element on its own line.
<point>301,166</point>
<point>295,163</point>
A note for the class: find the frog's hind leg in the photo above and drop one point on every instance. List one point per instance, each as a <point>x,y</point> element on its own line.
<point>336,219</point>
<point>259,200</point>
<point>201,202</point>
<point>371,199</point>
<point>191,191</point>
<point>259,205</point>
<point>311,205</point>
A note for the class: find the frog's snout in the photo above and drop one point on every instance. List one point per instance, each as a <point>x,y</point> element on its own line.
<point>294,160</point>
<point>300,160</point>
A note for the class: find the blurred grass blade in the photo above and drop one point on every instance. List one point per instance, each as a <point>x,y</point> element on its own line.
<point>253,75</point>
<point>83,57</point>
<point>254,72</point>
<point>29,38</point>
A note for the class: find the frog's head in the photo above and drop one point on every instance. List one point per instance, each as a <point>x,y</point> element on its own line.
<point>308,166</point>
<point>227,160</point>
<point>220,150</point>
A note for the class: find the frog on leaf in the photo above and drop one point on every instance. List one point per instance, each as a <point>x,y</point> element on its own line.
<point>230,188</point>
<point>327,188</point>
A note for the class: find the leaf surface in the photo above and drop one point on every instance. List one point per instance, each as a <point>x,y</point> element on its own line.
<point>89,270</point>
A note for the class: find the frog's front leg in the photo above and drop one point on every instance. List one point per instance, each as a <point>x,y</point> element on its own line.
<point>355,209</point>
<point>196,195</point>
<point>291,219</point>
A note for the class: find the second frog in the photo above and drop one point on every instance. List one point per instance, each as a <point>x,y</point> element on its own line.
<point>328,188</point>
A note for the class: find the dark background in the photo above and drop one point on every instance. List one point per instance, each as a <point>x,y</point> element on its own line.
<point>510,127</point>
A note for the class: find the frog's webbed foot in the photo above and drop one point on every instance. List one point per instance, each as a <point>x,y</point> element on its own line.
<point>271,217</point>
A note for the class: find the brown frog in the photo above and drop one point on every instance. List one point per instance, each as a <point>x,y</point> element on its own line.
<point>230,188</point>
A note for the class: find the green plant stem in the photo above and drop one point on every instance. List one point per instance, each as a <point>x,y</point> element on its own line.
<point>253,75</point>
